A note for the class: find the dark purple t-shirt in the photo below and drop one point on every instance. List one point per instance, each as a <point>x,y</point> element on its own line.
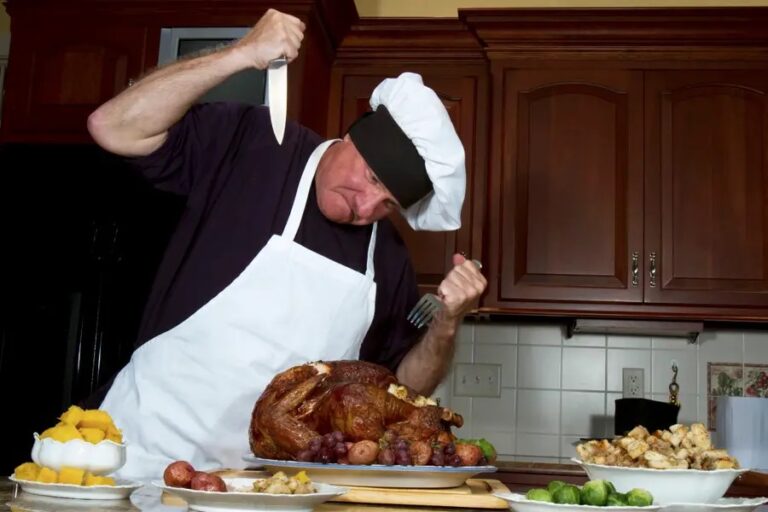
<point>240,185</point>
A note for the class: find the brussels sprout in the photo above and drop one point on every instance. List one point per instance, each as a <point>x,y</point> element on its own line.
<point>568,494</point>
<point>488,450</point>
<point>554,485</point>
<point>539,495</point>
<point>595,493</point>
<point>616,500</point>
<point>611,488</point>
<point>639,498</point>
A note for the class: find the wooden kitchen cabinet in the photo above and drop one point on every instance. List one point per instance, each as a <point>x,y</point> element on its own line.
<point>59,74</point>
<point>567,185</point>
<point>431,252</point>
<point>706,181</point>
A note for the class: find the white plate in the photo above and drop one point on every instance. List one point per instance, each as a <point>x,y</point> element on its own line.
<point>26,502</point>
<point>377,475</point>
<point>667,485</point>
<point>121,490</point>
<point>721,505</point>
<point>209,501</point>
<point>519,503</point>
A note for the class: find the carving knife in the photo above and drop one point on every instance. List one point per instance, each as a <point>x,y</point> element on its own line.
<point>277,95</point>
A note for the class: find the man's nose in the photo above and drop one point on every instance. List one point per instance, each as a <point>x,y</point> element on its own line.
<point>369,202</point>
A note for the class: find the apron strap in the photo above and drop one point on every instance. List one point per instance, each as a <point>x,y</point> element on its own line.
<point>302,192</point>
<point>371,250</point>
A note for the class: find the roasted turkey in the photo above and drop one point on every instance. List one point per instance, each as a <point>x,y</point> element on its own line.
<point>362,400</point>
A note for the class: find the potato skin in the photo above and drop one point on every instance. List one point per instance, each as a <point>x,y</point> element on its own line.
<point>204,482</point>
<point>179,474</point>
<point>363,452</point>
<point>469,454</point>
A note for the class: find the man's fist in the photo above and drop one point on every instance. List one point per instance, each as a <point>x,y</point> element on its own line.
<point>275,35</point>
<point>461,288</point>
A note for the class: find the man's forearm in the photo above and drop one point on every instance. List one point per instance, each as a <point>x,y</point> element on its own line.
<point>136,121</point>
<point>428,362</point>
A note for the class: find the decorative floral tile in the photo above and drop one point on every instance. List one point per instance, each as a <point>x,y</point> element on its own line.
<point>723,379</point>
<point>756,381</point>
<point>730,379</point>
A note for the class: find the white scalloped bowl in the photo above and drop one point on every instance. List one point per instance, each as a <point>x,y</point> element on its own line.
<point>102,458</point>
<point>667,485</point>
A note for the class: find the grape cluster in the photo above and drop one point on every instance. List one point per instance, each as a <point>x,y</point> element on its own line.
<point>327,448</point>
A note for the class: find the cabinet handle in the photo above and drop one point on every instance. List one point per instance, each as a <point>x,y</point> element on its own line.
<point>652,270</point>
<point>635,268</point>
<point>131,81</point>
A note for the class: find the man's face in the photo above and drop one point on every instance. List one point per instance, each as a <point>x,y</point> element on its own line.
<point>348,191</point>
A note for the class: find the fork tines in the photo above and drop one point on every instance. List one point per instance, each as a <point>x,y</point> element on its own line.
<point>424,310</point>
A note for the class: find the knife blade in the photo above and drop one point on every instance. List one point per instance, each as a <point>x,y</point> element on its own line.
<point>277,95</point>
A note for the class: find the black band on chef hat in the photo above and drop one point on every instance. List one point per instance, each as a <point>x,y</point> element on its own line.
<point>391,155</point>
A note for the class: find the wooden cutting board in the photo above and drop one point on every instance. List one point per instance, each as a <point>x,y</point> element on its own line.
<point>475,493</point>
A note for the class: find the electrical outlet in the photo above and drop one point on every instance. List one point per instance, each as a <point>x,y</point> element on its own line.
<point>477,380</point>
<point>633,382</point>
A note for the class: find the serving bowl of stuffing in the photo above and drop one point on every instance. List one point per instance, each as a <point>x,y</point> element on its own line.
<point>679,465</point>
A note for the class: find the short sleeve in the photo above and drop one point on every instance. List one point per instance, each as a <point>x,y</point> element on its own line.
<point>391,336</point>
<point>196,144</point>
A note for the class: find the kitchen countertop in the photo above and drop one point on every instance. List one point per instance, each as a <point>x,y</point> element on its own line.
<point>147,499</point>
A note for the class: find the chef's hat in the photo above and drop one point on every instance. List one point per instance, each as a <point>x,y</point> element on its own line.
<point>409,142</point>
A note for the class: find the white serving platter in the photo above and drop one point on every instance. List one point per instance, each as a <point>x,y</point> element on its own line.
<point>376,475</point>
<point>210,501</point>
<point>519,503</point>
<point>121,490</point>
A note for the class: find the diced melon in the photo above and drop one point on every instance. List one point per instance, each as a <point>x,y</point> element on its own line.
<point>91,479</point>
<point>63,432</point>
<point>47,475</point>
<point>27,471</point>
<point>114,434</point>
<point>92,435</point>
<point>73,416</point>
<point>95,418</point>
<point>69,475</point>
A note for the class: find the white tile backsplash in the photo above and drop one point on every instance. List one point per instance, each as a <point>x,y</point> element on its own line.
<point>505,355</point>
<point>504,333</point>
<point>582,414</point>
<point>584,369</point>
<point>556,389</point>
<point>585,340</point>
<point>687,368</point>
<point>549,334</point>
<point>629,342</point>
<point>538,367</point>
<point>495,413</point>
<point>538,445</point>
<point>618,359</point>
<point>538,411</point>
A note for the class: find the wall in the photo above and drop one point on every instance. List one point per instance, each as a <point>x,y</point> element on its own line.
<point>556,390</point>
<point>448,8</point>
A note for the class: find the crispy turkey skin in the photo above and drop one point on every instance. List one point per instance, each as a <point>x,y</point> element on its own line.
<point>357,398</point>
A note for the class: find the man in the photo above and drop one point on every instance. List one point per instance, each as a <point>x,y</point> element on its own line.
<point>283,255</point>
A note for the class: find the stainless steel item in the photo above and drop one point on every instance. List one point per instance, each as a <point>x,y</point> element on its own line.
<point>277,95</point>
<point>429,304</point>
<point>674,387</point>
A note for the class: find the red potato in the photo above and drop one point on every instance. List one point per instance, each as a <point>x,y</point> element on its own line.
<point>179,474</point>
<point>204,482</point>
<point>363,452</point>
<point>469,454</point>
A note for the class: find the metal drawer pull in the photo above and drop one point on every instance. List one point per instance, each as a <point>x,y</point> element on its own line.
<point>635,268</point>
<point>652,270</point>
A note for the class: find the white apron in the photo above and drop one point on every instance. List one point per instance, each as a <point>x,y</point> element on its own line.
<point>188,393</point>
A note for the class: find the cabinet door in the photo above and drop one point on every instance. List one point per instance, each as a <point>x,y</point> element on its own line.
<point>566,186</point>
<point>57,76</point>
<point>707,187</point>
<point>431,252</point>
